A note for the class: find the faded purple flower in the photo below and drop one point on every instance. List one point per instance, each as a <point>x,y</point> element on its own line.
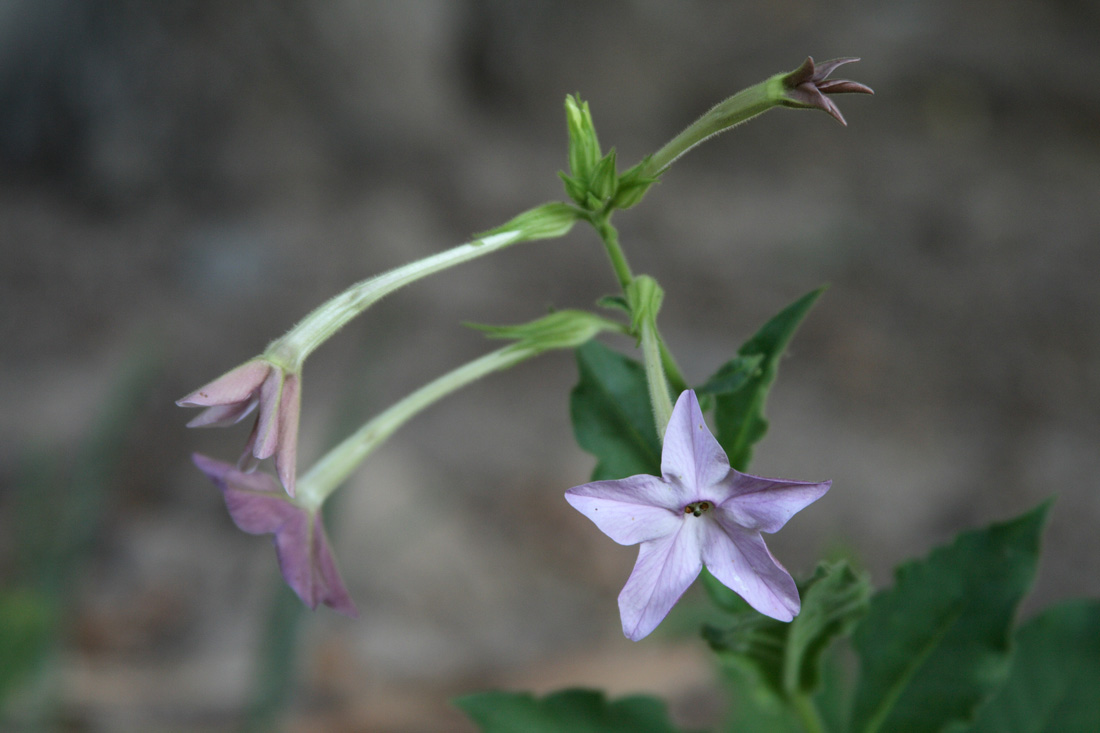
<point>258,506</point>
<point>700,512</point>
<point>807,86</point>
<point>232,396</point>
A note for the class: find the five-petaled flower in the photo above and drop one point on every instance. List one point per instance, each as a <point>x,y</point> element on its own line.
<point>699,512</point>
<point>807,86</point>
<point>232,396</point>
<point>258,506</point>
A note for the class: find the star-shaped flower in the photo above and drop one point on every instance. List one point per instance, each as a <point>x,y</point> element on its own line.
<point>258,506</point>
<point>231,397</point>
<point>700,512</point>
<point>807,86</point>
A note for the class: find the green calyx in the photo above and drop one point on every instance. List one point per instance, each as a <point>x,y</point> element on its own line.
<point>550,220</point>
<point>564,329</point>
<point>593,181</point>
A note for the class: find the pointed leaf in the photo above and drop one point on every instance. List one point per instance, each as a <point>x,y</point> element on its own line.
<point>611,415</point>
<point>1055,675</point>
<point>739,415</point>
<point>732,376</point>
<point>576,711</point>
<point>934,646</point>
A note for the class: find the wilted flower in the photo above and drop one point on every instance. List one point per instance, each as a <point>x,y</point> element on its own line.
<point>807,86</point>
<point>258,506</point>
<point>232,396</point>
<point>700,512</point>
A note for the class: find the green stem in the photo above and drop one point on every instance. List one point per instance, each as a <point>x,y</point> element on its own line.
<point>339,463</point>
<point>672,369</point>
<point>660,365</point>
<point>655,377</point>
<point>808,714</point>
<point>610,237</point>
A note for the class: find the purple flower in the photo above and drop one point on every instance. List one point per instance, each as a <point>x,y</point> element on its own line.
<point>807,86</point>
<point>258,506</point>
<point>232,396</point>
<point>700,512</point>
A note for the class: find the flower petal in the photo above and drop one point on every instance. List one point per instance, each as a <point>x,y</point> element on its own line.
<point>266,439</point>
<point>334,593</point>
<point>255,501</point>
<point>286,451</point>
<point>236,385</point>
<point>630,510</point>
<point>665,568</point>
<point>765,504</point>
<point>220,416</point>
<point>807,86</point>
<point>691,458</point>
<point>742,562</point>
<point>307,565</point>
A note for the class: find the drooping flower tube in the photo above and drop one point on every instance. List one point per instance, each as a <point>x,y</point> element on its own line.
<point>699,512</point>
<point>805,88</point>
<point>258,506</point>
<point>272,381</point>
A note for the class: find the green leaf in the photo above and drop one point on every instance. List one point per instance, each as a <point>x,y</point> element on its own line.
<point>934,646</point>
<point>786,657</point>
<point>612,418</point>
<point>739,415</point>
<point>732,376</point>
<point>576,711</point>
<point>1055,677</point>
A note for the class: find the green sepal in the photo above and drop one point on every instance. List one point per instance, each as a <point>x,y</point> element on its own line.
<point>574,188</point>
<point>564,329</point>
<point>611,415</point>
<point>938,643</point>
<point>614,302</point>
<point>739,414</point>
<point>632,186</point>
<point>584,147</point>
<point>603,180</point>
<point>592,202</point>
<point>574,710</point>
<point>553,219</point>
<point>786,658</point>
<point>644,296</point>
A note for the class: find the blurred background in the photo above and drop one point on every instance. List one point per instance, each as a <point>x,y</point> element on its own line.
<point>180,182</point>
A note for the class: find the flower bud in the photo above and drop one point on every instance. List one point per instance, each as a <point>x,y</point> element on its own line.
<point>584,148</point>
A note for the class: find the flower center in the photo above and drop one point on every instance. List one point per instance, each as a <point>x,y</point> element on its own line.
<point>696,508</point>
